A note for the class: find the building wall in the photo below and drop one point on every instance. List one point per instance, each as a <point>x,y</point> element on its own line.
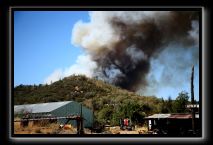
<point>74,108</point>
<point>39,115</point>
<point>88,116</point>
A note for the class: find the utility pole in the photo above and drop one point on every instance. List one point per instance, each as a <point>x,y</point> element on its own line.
<point>192,100</point>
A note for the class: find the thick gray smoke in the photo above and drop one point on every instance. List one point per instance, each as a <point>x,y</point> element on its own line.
<point>124,45</point>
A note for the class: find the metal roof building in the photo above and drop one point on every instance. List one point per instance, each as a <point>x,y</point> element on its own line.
<point>158,116</point>
<point>175,123</point>
<point>57,109</point>
<point>171,116</point>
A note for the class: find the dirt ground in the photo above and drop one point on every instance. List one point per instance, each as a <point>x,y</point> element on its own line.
<point>138,130</point>
<point>53,128</point>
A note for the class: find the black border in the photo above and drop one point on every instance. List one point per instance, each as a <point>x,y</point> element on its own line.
<point>98,9</point>
<point>5,58</point>
<point>107,3</point>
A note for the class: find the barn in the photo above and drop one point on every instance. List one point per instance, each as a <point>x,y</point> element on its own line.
<point>57,109</point>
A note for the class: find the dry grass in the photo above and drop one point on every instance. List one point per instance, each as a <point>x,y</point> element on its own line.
<point>138,130</point>
<point>52,128</point>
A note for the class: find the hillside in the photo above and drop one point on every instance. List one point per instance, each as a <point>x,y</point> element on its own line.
<point>78,88</point>
<point>94,94</point>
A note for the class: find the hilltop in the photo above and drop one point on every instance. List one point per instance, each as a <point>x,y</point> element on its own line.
<point>76,87</point>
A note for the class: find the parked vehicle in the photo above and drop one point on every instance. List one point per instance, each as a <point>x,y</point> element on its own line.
<point>126,124</point>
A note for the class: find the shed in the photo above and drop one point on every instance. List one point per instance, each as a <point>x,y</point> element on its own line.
<point>172,123</point>
<point>57,109</point>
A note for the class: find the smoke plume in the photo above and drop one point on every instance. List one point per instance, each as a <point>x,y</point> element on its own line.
<point>125,45</point>
<point>83,65</point>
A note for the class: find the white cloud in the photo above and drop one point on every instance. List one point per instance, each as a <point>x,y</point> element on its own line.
<point>83,65</point>
<point>55,76</point>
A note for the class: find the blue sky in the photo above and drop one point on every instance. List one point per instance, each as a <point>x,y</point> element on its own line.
<point>42,44</point>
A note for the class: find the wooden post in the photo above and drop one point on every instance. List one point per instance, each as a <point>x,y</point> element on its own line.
<point>24,123</point>
<point>78,125</point>
<point>192,100</point>
<point>81,124</point>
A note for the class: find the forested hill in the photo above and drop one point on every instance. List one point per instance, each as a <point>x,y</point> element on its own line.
<point>108,102</point>
<point>78,88</point>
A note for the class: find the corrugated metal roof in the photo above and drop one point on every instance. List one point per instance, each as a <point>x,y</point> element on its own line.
<point>192,106</point>
<point>172,116</point>
<point>159,116</point>
<point>39,108</point>
<point>180,116</point>
<point>183,116</point>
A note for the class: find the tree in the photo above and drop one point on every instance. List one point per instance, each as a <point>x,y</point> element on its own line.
<point>105,114</point>
<point>147,109</point>
<point>170,105</point>
<point>181,102</point>
<point>164,108</point>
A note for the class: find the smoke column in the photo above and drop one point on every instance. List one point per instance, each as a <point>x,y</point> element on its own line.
<point>126,45</point>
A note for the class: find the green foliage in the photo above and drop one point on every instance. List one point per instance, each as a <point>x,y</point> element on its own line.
<point>109,103</point>
<point>167,106</point>
<point>105,115</point>
<point>181,102</point>
<point>112,113</point>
